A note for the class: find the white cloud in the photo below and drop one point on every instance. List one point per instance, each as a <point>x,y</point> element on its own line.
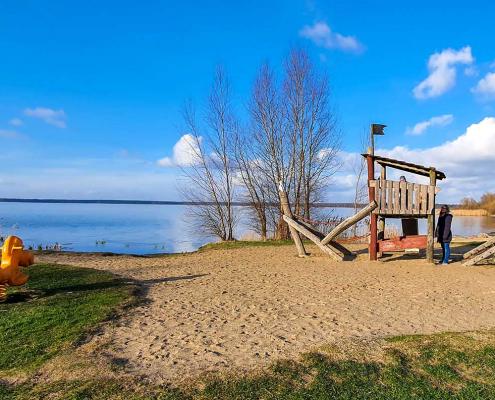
<point>185,152</point>
<point>15,122</point>
<point>321,34</point>
<point>486,86</point>
<point>423,126</point>
<point>442,72</point>
<point>467,161</point>
<point>476,144</point>
<point>52,117</point>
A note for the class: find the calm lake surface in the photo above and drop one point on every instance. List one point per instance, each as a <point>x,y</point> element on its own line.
<point>137,228</point>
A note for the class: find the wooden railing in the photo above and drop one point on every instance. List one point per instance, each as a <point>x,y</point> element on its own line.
<point>403,198</point>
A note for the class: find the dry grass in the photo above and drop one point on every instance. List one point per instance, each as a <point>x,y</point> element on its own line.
<point>461,212</point>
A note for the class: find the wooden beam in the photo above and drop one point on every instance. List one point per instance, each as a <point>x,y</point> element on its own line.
<point>396,204</point>
<point>337,247</point>
<point>480,257</point>
<point>403,243</point>
<point>349,222</point>
<point>284,202</point>
<point>373,250</point>
<point>311,236</point>
<point>424,199</point>
<point>383,204</point>
<point>403,197</point>
<point>431,220</point>
<point>410,192</point>
<point>431,199</point>
<point>405,166</point>
<point>481,247</point>
<point>390,197</point>
<point>417,199</point>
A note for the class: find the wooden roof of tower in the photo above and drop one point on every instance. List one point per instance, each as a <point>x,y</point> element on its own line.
<point>405,166</point>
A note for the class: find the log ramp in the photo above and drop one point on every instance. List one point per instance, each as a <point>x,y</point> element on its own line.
<point>326,243</point>
<point>480,253</point>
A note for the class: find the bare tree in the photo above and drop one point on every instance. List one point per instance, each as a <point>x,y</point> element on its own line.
<point>270,150</point>
<point>291,137</point>
<point>210,176</point>
<point>254,183</point>
<point>294,137</point>
<point>311,128</point>
<point>359,170</point>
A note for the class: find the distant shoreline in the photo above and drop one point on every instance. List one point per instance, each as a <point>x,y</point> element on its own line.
<point>151,202</point>
<point>190,203</point>
<point>462,212</point>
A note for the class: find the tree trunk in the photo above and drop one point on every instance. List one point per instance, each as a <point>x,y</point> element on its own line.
<point>282,232</point>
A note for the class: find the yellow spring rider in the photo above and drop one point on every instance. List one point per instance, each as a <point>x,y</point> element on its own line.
<point>13,257</point>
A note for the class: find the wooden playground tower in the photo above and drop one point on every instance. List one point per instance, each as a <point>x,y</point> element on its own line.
<point>387,199</point>
<point>404,200</point>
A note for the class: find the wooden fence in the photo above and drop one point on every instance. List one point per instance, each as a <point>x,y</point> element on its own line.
<point>403,198</point>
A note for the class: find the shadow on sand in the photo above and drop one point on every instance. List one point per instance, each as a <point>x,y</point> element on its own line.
<point>142,287</point>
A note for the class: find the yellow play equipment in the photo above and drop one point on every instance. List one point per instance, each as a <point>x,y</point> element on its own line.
<point>13,257</point>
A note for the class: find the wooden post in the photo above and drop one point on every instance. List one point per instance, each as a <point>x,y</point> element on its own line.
<point>372,141</point>
<point>381,220</point>
<point>431,220</point>
<point>374,217</point>
<point>284,202</point>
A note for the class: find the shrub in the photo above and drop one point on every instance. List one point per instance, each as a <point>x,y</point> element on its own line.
<point>468,203</point>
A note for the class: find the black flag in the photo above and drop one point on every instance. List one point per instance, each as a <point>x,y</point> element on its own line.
<point>377,129</point>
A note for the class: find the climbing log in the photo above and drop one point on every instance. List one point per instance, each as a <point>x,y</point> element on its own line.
<point>480,257</point>
<point>489,243</point>
<point>348,222</point>
<point>284,202</point>
<point>338,248</point>
<point>311,236</point>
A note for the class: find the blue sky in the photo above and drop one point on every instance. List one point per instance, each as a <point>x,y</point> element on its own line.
<point>91,91</point>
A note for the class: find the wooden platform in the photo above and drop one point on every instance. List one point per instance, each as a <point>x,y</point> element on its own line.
<point>402,243</point>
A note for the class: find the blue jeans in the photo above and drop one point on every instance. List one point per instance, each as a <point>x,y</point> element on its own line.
<point>445,252</point>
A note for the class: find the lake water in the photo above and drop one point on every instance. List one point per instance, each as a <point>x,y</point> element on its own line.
<point>136,228</point>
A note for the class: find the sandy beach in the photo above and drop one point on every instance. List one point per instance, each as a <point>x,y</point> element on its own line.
<point>243,308</point>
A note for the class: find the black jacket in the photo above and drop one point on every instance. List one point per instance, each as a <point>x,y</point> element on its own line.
<point>443,232</point>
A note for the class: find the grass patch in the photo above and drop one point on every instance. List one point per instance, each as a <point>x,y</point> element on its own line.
<point>453,366</point>
<point>239,244</point>
<point>52,311</point>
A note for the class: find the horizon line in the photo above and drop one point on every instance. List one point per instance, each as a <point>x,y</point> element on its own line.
<point>167,202</point>
<point>152,202</point>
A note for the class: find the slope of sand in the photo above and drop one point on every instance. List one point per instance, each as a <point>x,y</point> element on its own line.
<point>244,308</point>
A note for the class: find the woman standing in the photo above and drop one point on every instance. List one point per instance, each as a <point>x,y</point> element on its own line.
<point>443,232</point>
